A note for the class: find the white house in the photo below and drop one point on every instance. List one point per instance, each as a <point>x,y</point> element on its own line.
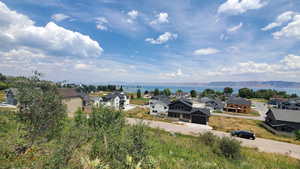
<point>159,105</point>
<point>117,100</point>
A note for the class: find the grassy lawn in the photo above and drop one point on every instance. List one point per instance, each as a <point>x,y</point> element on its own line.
<point>2,96</point>
<point>143,113</point>
<point>139,101</point>
<point>228,124</point>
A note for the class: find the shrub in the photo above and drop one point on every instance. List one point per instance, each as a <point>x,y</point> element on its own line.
<point>208,138</point>
<point>297,134</point>
<point>230,148</point>
<point>40,109</point>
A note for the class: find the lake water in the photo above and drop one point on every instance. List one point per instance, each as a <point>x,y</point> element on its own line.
<point>200,88</point>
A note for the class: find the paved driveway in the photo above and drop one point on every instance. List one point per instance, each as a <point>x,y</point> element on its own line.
<point>265,145</point>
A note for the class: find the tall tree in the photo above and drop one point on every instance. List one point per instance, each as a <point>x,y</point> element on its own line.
<point>40,109</point>
<point>193,93</point>
<point>139,93</point>
<point>228,90</point>
<point>167,92</point>
<point>121,89</point>
<point>246,93</point>
<point>156,92</point>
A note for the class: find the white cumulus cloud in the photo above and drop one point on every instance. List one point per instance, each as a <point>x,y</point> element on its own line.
<point>133,14</point>
<point>206,51</point>
<point>162,38</point>
<point>160,18</point>
<point>281,19</point>
<point>101,23</point>
<point>176,74</point>
<point>18,31</point>
<point>236,7</point>
<point>235,28</point>
<point>292,30</point>
<point>60,17</point>
<point>291,61</point>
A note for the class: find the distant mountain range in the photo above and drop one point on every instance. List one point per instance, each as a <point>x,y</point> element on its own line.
<point>265,84</point>
<point>238,84</point>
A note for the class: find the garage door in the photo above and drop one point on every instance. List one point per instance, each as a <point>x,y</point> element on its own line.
<point>198,119</point>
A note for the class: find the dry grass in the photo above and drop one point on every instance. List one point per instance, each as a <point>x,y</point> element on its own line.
<point>143,113</point>
<point>100,93</point>
<point>228,124</point>
<point>2,96</point>
<point>259,100</point>
<point>139,101</point>
<point>252,113</point>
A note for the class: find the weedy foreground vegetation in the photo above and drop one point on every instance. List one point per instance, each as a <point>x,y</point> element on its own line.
<point>39,136</point>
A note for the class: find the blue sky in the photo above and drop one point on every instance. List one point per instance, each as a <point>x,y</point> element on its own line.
<point>93,41</point>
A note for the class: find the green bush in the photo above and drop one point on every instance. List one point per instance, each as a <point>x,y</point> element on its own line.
<point>230,148</point>
<point>297,134</point>
<point>208,138</point>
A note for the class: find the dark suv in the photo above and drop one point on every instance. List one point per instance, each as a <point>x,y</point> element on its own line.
<point>243,134</point>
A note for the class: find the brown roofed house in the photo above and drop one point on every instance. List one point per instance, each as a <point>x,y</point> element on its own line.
<point>238,105</point>
<point>72,99</point>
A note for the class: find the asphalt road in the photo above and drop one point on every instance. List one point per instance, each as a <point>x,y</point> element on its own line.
<point>264,145</point>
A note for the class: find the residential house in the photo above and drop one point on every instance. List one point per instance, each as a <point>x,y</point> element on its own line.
<point>214,104</point>
<point>159,105</point>
<point>238,105</point>
<point>283,119</point>
<point>117,100</point>
<point>11,96</point>
<point>184,110</point>
<point>290,104</point>
<point>276,101</point>
<point>72,99</point>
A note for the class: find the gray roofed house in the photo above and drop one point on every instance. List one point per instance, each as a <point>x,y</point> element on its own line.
<point>72,99</point>
<point>238,100</point>
<point>215,104</point>
<point>159,105</point>
<point>11,95</point>
<point>117,100</point>
<point>291,104</point>
<point>283,119</point>
<point>184,110</point>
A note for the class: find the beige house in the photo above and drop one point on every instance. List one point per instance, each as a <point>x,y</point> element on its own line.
<point>72,99</point>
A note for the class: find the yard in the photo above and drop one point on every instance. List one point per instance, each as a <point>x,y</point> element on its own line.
<point>2,96</point>
<point>143,113</point>
<point>139,101</point>
<point>252,113</point>
<point>100,93</point>
<point>228,124</point>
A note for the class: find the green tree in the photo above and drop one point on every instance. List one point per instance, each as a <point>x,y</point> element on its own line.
<point>294,95</point>
<point>156,92</point>
<point>246,93</point>
<point>139,93</point>
<point>167,92</point>
<point>3,85</point>
<point>193,93</point>
<point>228,90</point>
<point>2,77</point>
<point>121,89</point>
<point>146,92</point>
<point>40,109</point>
<point>208,92</point>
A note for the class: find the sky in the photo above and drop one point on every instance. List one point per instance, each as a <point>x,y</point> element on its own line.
<point>96,41</point>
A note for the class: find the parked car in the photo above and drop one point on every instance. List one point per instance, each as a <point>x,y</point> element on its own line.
<point>243,134</point>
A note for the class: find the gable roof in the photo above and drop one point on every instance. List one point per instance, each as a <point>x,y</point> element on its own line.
<point>13,91</point>
<point>161,98</point>
<point>113,95</point>
<point>203,110</point>
<point>238,100</point>
<point>184,101</point>
<point>68,92</point>
<point>286,115</point>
